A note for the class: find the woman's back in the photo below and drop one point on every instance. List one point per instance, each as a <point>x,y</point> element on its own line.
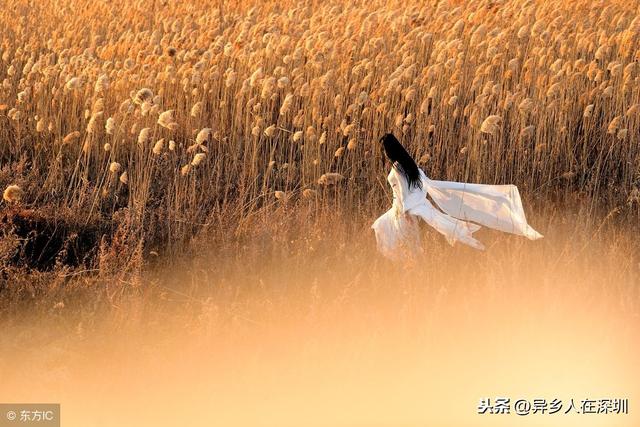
<point>405,196</point>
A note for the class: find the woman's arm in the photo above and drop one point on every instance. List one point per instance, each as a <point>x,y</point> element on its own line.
<point>395,180</point>
<point>424,179</point>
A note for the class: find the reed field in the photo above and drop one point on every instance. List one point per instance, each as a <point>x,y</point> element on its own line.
<point>188,188</point>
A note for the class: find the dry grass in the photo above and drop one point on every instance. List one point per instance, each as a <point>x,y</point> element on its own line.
<point>173,117</point>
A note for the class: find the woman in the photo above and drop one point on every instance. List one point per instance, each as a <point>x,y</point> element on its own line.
<point>494,206</point>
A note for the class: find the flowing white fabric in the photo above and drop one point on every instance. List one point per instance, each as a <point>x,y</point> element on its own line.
<point>463,208</point>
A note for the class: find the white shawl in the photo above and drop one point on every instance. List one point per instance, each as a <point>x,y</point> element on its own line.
<point>494,206</point>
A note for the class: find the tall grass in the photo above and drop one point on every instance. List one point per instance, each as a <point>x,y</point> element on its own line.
<point>172,117</point>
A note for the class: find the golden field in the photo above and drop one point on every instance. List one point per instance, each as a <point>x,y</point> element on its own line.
<point>188,188</point>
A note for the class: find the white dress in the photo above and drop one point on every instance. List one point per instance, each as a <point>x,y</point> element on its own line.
<point>494,206</point>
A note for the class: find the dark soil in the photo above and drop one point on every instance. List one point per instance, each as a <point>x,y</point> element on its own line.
<point>49,239</point>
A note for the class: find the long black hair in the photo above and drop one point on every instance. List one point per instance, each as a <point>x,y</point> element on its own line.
<point>399,156</point>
